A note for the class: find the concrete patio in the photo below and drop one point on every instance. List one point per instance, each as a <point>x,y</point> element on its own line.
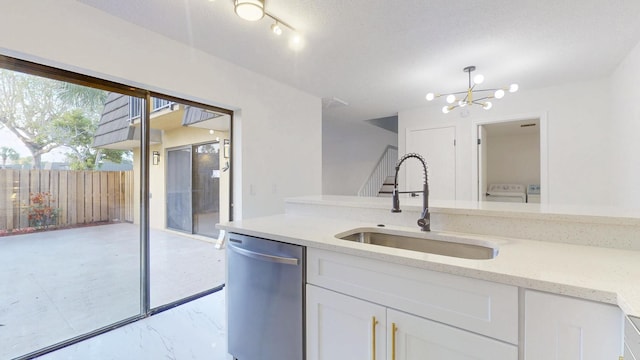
<point>59,284</point>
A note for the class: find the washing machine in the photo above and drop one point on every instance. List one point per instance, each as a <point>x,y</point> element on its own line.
<point>506,193</point>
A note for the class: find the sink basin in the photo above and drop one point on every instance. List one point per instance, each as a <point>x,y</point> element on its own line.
<point>428,242</point>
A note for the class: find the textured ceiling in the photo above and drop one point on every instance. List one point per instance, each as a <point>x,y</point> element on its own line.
<point>382,56</point>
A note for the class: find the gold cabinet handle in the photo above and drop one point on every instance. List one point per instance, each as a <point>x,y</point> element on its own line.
<point>394,328</point>
<point>374,322</point>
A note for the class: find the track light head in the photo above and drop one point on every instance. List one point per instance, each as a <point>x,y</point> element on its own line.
<point>250,10</point>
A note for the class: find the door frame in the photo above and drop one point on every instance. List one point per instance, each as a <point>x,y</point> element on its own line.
<point>544,153</point>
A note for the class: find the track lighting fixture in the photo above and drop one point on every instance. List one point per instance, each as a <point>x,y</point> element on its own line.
<point>253,10</point>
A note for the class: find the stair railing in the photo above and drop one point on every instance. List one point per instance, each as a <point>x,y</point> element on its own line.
<point>384,167</point>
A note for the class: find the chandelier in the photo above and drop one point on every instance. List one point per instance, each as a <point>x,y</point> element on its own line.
<point>472,96</point>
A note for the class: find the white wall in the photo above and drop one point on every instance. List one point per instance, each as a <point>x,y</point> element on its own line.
<point>513,159</point>
<point>350,151</point>
<point>73,36</point>
<point>625,120</point>
<point>579,148</point>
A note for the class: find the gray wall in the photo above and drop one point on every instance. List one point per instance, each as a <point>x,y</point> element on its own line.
<point>350,151</point>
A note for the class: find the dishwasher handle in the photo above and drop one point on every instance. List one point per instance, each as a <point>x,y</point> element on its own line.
<point>264,257</point>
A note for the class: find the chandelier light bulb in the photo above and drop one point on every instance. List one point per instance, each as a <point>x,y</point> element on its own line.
<point>478,79</point>
<point>499,94</point>
<point>445,109</point>
<point>513,88</point>
<point>430,96</point>
<point>488,105</point>
<point>462,103</point>
<point>451,98</point>
<point>275,27</point>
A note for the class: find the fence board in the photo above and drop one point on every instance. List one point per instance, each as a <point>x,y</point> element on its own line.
<point>104,197</point>
<point>12,217</point>
<point>54,181</point>
<point>62,198</point>
<point>95,198</point>
<point>45,183</point>
<point>79,196</point>
<point>111,196</point>
<point>4,193</point>
<point>23,199</point>
<point>72,186</point>
<point>80,193</point>
<point>129,204</point>
<point>125,194</point>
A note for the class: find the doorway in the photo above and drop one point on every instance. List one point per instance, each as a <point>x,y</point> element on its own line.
<point>511,152</point>
<point>193,189</point>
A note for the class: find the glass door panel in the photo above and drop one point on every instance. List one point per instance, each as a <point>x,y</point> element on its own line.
<point>179,215</point>
<point>206,189</point>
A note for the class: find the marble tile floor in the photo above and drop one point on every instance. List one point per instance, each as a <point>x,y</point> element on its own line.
<point>195,330</point>
<point>59,284</point>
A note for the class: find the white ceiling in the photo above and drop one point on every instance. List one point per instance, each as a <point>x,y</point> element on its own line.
<point>382,56</point>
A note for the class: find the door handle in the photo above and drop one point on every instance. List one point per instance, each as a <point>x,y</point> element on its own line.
<point>374,322</point>
<point>394,328</point>
<point>263,257</point>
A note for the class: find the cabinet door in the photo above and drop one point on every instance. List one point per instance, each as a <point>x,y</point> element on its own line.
<point>559,327</point>
<point>342,327</point>
<point>421,339</point>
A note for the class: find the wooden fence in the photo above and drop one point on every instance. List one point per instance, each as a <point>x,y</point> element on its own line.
<point>80,197</point>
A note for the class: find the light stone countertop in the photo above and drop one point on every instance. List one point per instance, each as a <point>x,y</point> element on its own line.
<point>578,214</point>
<point>589,272</point>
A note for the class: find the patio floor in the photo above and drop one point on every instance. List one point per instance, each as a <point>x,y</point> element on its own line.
<point>55,285</point>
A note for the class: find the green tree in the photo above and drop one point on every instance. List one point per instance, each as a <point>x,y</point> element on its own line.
<point>75,130</point>
<point>45,114</point>
<point>28,106</point>
<point>8,153</point>
<point>89,99</point>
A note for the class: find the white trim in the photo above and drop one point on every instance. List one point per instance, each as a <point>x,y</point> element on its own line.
<point>544,151</point>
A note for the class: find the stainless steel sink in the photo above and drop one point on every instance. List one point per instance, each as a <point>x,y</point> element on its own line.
<point>427,242</point>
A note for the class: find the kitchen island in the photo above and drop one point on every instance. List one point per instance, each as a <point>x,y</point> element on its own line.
<point>571,252</point>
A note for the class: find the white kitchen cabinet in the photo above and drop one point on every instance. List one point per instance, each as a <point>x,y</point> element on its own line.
<point>421,339</point>
<point>478,306</point>
<point>342,327</point>
<point>560,327</point>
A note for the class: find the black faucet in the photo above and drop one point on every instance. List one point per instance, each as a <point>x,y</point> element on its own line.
<point>425,219</point>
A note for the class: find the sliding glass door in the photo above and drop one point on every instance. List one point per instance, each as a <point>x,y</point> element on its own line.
<point>206,189</point>
<point>193,189</point>
<point>179,214</point>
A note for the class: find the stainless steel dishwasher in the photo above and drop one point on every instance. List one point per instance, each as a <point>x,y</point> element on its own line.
<point>265,299</point>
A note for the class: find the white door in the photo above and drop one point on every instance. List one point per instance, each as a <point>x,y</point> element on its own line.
<point>438,148</point>
<point>563,328</point>
<point>421,339</point>
<point>343,327</point>
<point>482,163</point>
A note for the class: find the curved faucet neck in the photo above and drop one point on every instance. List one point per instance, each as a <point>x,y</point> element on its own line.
<point>424,222</point>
